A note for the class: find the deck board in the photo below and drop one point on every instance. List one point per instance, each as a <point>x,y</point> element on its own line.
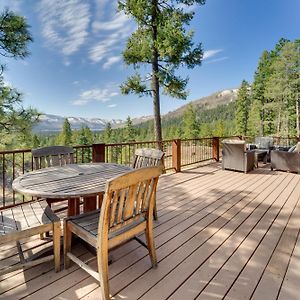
<point>213,235</point>
<point>220,235</point>
<point>217,272</point>
<point>290,288</point>
<point>229,271</point>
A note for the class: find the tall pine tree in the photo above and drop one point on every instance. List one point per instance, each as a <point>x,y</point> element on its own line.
<point>162,43</point>
<point>242,108</point>
<point>258,98</point>
<point>190,123</point>
<point>254,119</point>
<point>65,136</point>
<point>283,87</point>
<point>130,131</point>
<point>107,135</point>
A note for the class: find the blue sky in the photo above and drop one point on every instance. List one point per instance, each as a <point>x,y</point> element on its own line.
<point>75,67</point>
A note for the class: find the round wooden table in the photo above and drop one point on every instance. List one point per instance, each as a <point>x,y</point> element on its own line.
<point>69,182</point>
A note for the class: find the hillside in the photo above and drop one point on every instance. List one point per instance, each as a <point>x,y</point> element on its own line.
<point>207,103</point>
<point>215,115</point>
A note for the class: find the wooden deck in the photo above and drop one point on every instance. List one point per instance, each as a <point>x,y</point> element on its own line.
<point>220,235</point>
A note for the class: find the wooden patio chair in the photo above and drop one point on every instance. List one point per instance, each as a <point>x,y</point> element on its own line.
<point>236,157</point>
<point>127,210</point>
<point>26,220</point>
<point>50,157</point>
<point>148,157</point>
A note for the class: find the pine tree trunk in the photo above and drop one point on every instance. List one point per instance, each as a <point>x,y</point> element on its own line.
<point>262,127</point>
<point>278,123</point>
<point>155,82</point>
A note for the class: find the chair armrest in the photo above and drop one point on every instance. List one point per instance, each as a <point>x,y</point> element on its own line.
<point>285,161</point>
<point>249,160</point>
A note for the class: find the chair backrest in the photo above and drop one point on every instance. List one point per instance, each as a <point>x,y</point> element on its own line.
<point>147,157</point>
<point>233,149</point>
<point>52,156</point>
<point>128,202</point>
<point>264,142</point>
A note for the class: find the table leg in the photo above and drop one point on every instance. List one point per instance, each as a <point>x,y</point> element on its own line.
<point>89,203</point>
<point>73,207</point>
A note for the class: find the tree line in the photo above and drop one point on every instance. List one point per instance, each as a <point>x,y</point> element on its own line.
<point>270,105</point>
<point>218,121</point>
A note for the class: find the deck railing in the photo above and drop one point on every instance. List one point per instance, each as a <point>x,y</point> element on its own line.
<point>178,153</point>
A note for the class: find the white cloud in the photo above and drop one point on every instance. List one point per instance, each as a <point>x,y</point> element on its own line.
<point>110,45</point>
<point>96,27</point>
<point>112,31</point>
<point>110,61</point>
<point>64,24</point>
<point>118,21</point>
<point>112,105</point>
<point>98,95</point>
<point>100,7</point>
<point>103,49</point>
<point>216,60</point>
<point>211,53</point>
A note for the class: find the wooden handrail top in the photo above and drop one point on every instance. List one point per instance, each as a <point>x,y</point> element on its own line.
<point>144,142</point>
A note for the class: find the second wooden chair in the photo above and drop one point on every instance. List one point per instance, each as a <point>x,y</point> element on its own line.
<point>148,157</point>
<point>50,157</point>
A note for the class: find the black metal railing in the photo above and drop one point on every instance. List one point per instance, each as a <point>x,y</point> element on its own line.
<point>178,153</point>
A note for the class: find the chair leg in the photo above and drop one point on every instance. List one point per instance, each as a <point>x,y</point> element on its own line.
<point>46,234</point>
<point>100,200</point>
<point>56,245</point>
<point>49,202</point>
<point>102,258</point>
<point>67,244</point>
<point>155,211</point>
<point>150,243</point>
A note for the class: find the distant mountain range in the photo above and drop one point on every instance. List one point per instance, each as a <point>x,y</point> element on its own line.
<point>54,123</point>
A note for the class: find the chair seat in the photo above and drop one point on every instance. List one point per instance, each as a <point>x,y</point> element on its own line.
<point>26,220</point>
<point>88,223</point>
<point>27,217</point>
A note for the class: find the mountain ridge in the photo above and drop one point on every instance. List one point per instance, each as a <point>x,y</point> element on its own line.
<point>54,123</point>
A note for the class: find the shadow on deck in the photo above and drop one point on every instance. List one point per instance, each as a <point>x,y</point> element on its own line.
<point>220,235</point>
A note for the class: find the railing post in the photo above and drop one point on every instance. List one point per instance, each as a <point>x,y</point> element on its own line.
<point>176,155</point>
<point>216,148</point>
<point>98,152</point>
